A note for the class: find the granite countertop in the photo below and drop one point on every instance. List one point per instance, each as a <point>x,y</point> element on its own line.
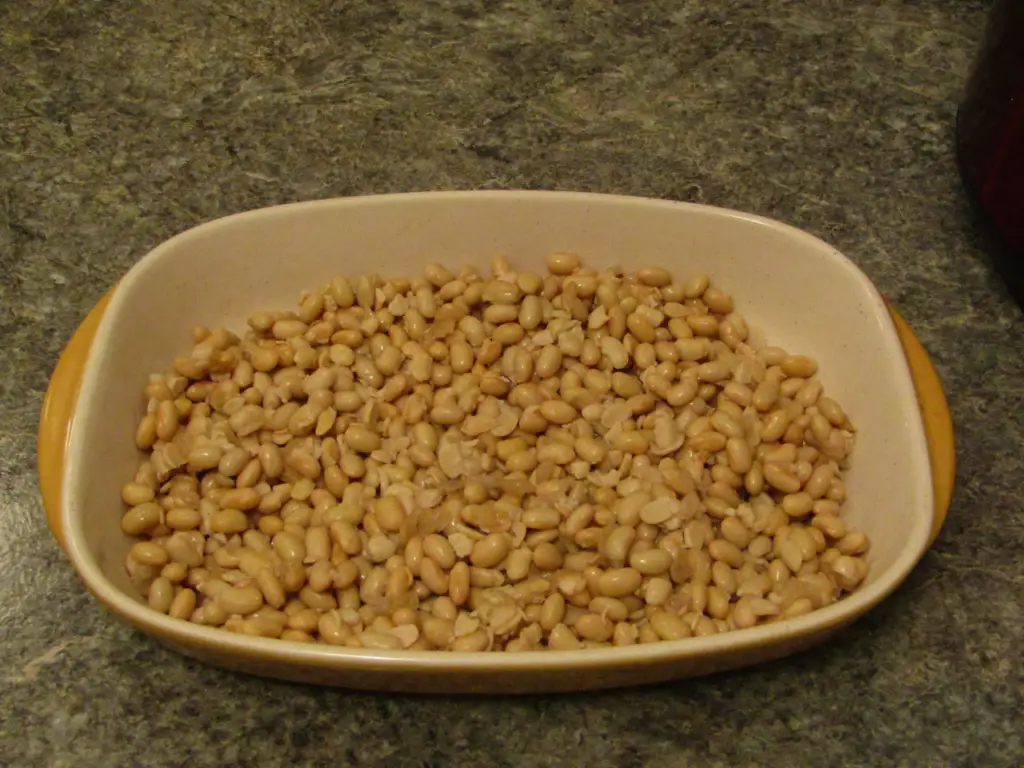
<point>122,123</point>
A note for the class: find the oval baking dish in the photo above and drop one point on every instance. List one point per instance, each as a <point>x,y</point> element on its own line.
<point>800,292</point>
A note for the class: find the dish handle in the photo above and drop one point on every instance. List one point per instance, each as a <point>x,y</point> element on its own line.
<point>938,422</point>
<point>59,410</point>
<point>62,394</point>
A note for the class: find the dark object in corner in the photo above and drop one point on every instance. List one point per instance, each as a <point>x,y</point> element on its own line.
<point>990,141</point>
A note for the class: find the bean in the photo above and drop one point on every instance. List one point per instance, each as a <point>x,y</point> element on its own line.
<point>735,533</point>
<point>320,601</point>
<point>175,572</point>
<point>552,611</point>
<point>229,521</point>
<point>704,627</point>
<point>233,461</point>
<point>831,525</point>
<point>346,536</point>
<point>743,615</point>
<point>182,518</point>
<point>718,603</point>
<point>798,607</point>
<point>781,479</point>
<point>561,638</point>
<point>724,577</point>
<point>361,439</point>
<point>145,433</point>
<point>847,572</point>
<point>658,591</point>
<point>713,372</point>
<point>797,504</point>
<point>318,543</point>
<point>346,574</point>
<point>558,412</point>
<point>390,514</point>
<point>518,564</point>
<point>439,550</point>
<point>630,442</point>
<point>141,519</point>
<point>624,634</point>
<point>544,518</point>
<point>259,625</point>
<point>799,366</point>
<point>725,424</point>
<point>134,494</point>
<point>240,600</point>
<point>149,553</point>
<point>270,587</point>
<point>610,608</point>
<point>853,543</point>
<point>432,575</point>
<point>765,395</point>
<point>717,300</point>
<point>183,605</point>
<point>240,499</point>
<point>161,594</point>
<point>618,543</point>
<point>655,277</point>
<point>619,582</point>
<point>211,614</point>
<point>289,547</point>
<point>166,420</point>
<point>547,556</point>
<point>489,551</point>
<point>333,629</point>
<point>473,642</point>
<point>591,626</point>
<point>832,411</point>
<point>640,327</point>
<point>669,626</point>
<point>651,562</point>
<point>563,263</point>
<point>756,585</point>
<point>439,632</point>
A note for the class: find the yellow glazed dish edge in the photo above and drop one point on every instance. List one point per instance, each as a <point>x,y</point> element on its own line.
<point>738,244</point>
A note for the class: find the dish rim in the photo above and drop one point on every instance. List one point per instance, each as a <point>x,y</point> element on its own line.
<point>185,633</point>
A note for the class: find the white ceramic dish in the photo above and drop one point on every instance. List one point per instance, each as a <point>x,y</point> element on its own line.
<point>802,293</point>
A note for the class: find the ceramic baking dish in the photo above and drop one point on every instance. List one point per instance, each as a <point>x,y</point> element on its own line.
<point>800,292</point>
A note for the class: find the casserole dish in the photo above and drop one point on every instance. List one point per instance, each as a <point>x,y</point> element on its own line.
<point>799,291</point>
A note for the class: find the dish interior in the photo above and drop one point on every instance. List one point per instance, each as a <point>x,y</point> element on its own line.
<point>793,288</point>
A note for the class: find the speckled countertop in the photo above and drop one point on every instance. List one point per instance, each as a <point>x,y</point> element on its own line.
<point>123,122</point>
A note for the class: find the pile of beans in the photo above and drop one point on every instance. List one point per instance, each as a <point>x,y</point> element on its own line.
<point>508,462</point>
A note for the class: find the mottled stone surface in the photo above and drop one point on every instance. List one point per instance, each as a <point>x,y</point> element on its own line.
<point>123,122</point>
